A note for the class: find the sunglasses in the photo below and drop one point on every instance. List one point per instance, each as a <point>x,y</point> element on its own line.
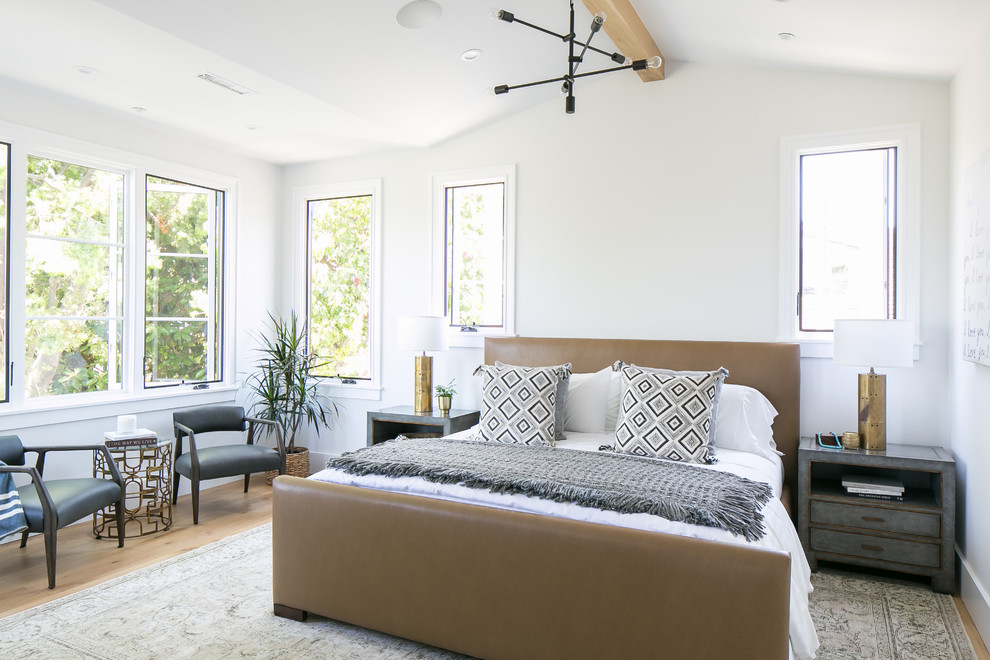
<point>829,440</point>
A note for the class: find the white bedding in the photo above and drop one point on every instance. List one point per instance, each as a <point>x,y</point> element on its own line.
<point>780,534</point>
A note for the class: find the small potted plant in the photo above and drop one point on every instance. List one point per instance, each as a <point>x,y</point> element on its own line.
<point>445,393</point>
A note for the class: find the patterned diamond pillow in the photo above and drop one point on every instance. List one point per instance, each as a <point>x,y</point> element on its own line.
<point>563,387</point>
<point>668,415</point>
<point>519,404</point>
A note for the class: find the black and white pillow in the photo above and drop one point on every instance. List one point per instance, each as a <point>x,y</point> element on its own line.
<point>563,387</point>
<point>668,415</point>
<point>715,400</point>
<point>519,404</point>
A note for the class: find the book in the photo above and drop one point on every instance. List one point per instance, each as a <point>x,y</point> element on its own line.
<point>873,491</point>
<point>136,438</point>
<point>873,481</point>
<point>874,496</point>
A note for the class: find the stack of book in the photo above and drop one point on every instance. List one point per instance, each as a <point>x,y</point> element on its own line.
<point>135,438</point>
<point>873,487</point>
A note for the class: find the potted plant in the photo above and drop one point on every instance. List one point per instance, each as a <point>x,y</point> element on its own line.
<point>284,389</point>
<point>445,393</point>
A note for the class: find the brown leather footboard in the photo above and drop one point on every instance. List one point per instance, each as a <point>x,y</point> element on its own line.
<point>504,584</point>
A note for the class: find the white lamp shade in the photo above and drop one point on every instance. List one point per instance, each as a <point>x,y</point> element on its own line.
<point>422,333</point>
<point>874,342</point>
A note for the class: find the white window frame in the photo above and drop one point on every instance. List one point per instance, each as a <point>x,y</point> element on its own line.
<point>363,389</point>
<point>505,174</point>
<point>23,412</point>
<point>5,252</point>
<point>907,139</point>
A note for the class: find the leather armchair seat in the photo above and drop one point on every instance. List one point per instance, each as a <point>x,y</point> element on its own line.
<point>73,499</point>
<point>227,460</point>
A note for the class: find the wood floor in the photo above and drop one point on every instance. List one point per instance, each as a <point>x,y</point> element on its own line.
<point>84,561</point>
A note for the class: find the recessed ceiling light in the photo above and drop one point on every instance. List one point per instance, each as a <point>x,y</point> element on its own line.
<point>418,14</point>
<point>785,36</point>
<point>138,109</point>
<point>471,55</point>
<point>86,70</point>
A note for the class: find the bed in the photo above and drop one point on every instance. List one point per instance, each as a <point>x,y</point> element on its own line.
<point>495,583</point>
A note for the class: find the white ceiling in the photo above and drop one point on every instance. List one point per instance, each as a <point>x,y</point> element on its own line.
<point>331,78</point>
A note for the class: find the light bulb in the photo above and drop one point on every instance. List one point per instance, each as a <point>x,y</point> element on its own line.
<point>501,15</point>
<point>596,22</point>
<point>654,62</point>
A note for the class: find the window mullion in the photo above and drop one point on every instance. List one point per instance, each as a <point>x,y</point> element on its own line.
<point>135,240</point>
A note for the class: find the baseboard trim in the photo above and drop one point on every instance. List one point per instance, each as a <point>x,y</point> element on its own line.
<point>975,598</point>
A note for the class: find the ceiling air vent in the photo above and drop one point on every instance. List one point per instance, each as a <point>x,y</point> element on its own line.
<point>226,84</point>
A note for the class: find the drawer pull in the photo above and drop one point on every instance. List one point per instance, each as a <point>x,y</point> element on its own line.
<point>872,519</point>
<point>874,548</point>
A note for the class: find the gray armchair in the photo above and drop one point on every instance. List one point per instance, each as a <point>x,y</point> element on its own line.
<point>50,505</point>
<point>203,463</point>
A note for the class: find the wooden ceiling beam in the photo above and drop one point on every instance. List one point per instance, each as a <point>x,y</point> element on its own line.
<point>626,30</point>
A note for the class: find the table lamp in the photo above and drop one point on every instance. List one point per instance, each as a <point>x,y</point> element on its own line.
<point>873,343</point>
<point>423,333</point>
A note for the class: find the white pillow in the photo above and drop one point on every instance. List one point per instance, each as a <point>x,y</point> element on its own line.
<point>614,397</point>
<point>587,401</point>
<point>745,419</point>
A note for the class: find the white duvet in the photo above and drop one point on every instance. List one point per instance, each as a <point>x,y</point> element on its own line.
<point>780,535</point>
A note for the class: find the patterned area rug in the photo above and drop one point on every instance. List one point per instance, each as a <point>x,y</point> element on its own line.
<point>215,602</point>
<point>859,616</point>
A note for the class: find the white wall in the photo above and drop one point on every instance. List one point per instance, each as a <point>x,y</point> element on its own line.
<point>653,213</point>
<point>970,383</point>
<point>257,273</point>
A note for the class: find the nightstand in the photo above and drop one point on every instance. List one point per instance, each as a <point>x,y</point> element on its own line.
<point>913,535</point>
<point>388,423</point>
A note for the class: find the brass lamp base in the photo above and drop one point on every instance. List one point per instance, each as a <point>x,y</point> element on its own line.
<point>423,387</point>
<point>873,410</point>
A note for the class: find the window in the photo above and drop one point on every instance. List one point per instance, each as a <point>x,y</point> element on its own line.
<point>848,237</point>
<point>849,225</point>
<point>183,331</point>
<point>112,275</point>
<point>342,227</point>
<point>475,253</point>
<point>4,266</point>
<point>73,278</point>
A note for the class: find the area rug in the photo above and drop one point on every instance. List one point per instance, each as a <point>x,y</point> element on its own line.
<point>873,617</point>
<point>215,602</point>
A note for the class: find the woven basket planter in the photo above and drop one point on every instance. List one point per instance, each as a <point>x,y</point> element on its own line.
<point>296,465</point>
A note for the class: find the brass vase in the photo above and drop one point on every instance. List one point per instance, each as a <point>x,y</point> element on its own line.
<point>443,403</point>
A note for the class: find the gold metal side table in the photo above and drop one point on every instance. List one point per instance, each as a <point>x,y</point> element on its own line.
<point>147,473</point>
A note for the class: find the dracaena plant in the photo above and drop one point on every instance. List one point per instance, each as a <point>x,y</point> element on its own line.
<point>283,385</point>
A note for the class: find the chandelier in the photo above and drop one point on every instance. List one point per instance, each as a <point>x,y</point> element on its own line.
<point>575,59</point>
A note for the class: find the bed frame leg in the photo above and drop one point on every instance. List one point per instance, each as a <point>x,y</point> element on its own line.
<point>287,612</point>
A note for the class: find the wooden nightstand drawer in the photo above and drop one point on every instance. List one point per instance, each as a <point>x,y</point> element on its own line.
<point>876,547</point>
<point>876,518</point>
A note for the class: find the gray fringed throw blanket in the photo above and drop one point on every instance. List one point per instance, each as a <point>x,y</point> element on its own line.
<point>612,482</point>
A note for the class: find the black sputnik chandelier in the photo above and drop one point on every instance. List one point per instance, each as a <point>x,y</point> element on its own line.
<point>575,59</point>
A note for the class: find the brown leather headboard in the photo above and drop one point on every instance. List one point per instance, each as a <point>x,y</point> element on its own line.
<point>772,368</point>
